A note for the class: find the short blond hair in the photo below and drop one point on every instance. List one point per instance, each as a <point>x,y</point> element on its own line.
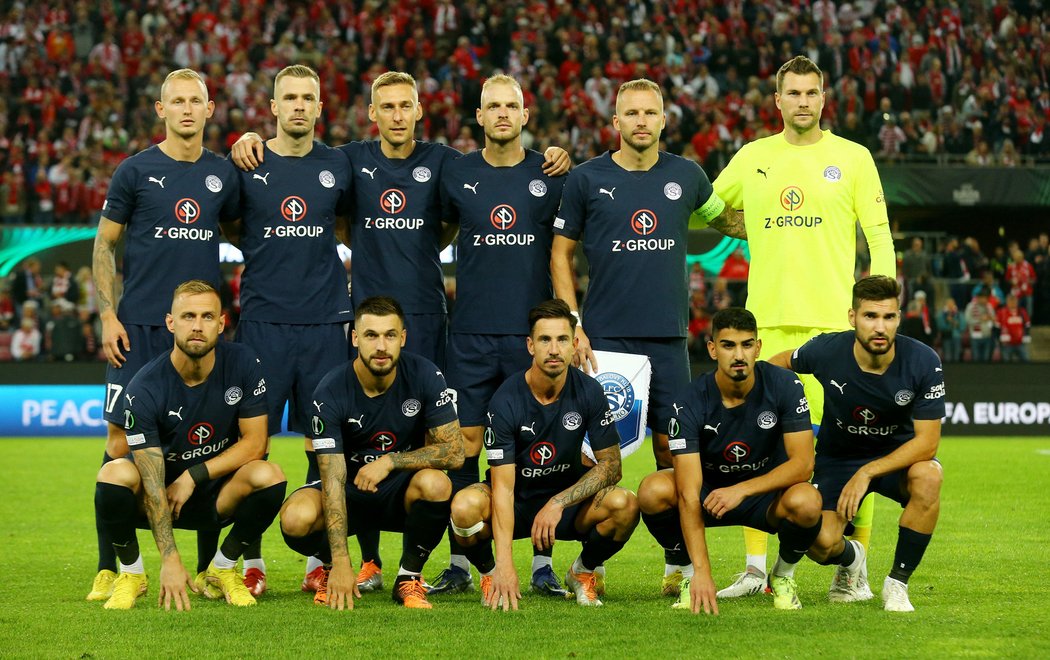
<point>296,71</point>
<point>183,74</point>
<point>193,288</point>
<point>394,78</point>
<point>640,85</point>
<point>504,79</point>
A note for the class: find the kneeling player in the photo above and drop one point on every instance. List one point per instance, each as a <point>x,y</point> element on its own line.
<point>743,453</point>
<point>537,484</point>
<point>195,420</point>
<point>384,428</point>
<point>884,400</point>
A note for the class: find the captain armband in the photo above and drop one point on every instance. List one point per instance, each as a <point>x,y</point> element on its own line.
<point>711,209</point>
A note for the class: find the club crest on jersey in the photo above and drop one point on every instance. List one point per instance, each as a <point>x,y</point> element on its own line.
<point>618,392</point>
<point>326,178</point>
<point>187,211</point>
<point>673,191</point>
<point>213,183</point>
<point>503,217</point>
<point>832,173</point>
<point>736,452</point>
<point>537,188</point>
<point>542,453</point>
<point>233,395</point>
<point>767,419</point>
<point>411,408</point>
<point>392,200</point>
<point>293,208</point>
<point>643,222</point>
<point>903,397</point>
<point>200,434</point>
<point>791,198</point>
<point>383,441</point>
<point>422,174</point>
<point>572,420</point>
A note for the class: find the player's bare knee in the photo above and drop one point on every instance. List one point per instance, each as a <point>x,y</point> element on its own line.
<point>265,474</point>
<point>119,472</point>
<point>432,485</point>
<point>298,514</point>
<point>624,508</point>
<point>467,507</point>
<point>924,481</point>
<point>657,493</point>
<point>802,502</point>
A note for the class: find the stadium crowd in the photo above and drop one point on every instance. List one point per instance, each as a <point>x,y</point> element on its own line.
<point>965,82</point>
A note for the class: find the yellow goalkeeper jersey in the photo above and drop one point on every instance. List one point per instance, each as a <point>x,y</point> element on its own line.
<point>801,205</point>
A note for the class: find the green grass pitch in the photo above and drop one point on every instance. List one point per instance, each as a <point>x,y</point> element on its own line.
<point>979,593</point>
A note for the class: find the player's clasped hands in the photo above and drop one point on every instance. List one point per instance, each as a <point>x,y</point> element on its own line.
<point>179,492</point>
<point>506,590</point>
<point>342,587</point>
<point>723,500</point>
<point>173,582</point>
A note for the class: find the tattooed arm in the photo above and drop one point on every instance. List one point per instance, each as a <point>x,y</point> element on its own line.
<point>104,268</point>
<point>730,222</point>
<point>443,451</point>
<point>606,472</point>
<point>173,576</point>
<point>342,583</point>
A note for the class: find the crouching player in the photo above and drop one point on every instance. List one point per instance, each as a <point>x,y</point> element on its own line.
<point>537,486</point>
<point>884,400</point>
<point>742,447</point>
<point>195,420</point>
<point>384,428</point>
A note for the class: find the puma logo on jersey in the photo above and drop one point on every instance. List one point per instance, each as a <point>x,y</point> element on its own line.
<point>677,408</point>
<point>262,178</point>
<point>159,182</point>
<point>798,381</point>
<point>130,399</point>
<point>603,191</point>
<point>370,172</point>
<point>708,427</point>
<point>529,428</point>
<point>938,369</point>
<point>473,188</point>
<point>318,406</point>
<point>351,420</point>
<point>762,172</point>
<point>176,413</point>
<point>841,387</point>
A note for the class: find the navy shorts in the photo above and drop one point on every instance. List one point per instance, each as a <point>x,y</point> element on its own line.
<point>831,474</point>
<point>383,510</point>
<point>199,512</point>
<point>525,512</point>
<point>751,512</point>
<point>669,358</point>
<point>427,336</point>
<point>477,366</point>
<point>147,342</point>
<point>294,359</point>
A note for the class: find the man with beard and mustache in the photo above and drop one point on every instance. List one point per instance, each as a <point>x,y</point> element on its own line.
<point>631,209</point>
<point>195,420</point>
<point>883,408</point>
<point>294,299</point>
<point>743,455</point>
<point>167,204</point>
<point>504,206</point>
<point>384,428</point>
<point>538,486</point>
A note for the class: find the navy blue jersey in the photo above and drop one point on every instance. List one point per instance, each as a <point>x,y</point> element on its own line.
<point>292,271</point>
<point>545,442</point>
<point>192,424</point>
<point>869,415</point>
<point>397,225</point>
<point>739,443</point>
<point>348,421</point>
<point>635,226</point>
<point>505,216</point>
<point>171,211</point>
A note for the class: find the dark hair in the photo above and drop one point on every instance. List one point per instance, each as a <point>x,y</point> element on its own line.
<point>380,306</point>
<point>874,288</point>
<point>551,309</point>
<point>736,318</point>
<point>799,65</point>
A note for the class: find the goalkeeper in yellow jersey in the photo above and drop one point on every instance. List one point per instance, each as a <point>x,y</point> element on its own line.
<point>802,193</point>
